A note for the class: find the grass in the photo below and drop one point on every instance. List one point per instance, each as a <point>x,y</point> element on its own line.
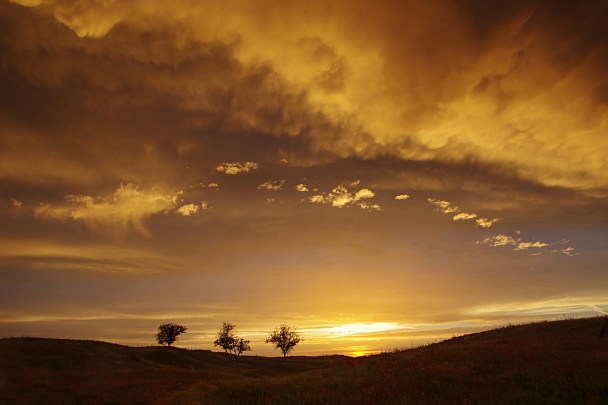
<point>541,363</point>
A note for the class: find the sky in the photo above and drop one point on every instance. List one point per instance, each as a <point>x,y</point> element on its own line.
<point>376,174</point>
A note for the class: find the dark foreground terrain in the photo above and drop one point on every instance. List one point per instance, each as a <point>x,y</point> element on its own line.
<point>561,362</point>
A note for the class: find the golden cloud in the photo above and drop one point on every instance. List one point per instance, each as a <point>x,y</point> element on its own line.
<point>127,210</point>
<point>486,223</point>
<point>235,168</point>
<point>505,240</point>
<point>504,87</point>
<point>272,185</point>
<point>444,206</point>
<point>448,207</point>
<point>340,197</point>
<point>464,216</point>
<point>187,210</point>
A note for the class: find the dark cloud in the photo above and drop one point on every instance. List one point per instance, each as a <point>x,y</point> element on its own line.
<point>161,87</point>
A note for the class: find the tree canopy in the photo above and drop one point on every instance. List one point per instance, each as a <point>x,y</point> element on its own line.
<point>169,332</point>
<point>226,336</point>
<point>240,345</point>
<point>284,337</point>
<point>229,341</point>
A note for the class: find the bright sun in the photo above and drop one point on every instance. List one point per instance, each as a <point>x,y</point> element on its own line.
<point>359,352</point>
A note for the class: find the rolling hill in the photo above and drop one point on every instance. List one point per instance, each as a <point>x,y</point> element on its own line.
<point>546,362</point>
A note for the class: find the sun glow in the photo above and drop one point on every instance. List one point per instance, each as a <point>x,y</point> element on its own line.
<point>359,351</point>
<point>358,329</point>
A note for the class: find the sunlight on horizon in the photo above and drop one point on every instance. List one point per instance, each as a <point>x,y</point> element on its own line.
<point>357,329</point>
<point>360,351</point>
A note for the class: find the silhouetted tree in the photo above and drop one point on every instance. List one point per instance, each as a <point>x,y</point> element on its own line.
<point>284,337</point>
<point>168,333</point>
<point>240,345</point>
<point>227,340</point>
<point>226,337</point>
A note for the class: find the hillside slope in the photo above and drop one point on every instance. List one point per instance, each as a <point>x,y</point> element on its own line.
<point>62,371</point>
<point>546,362</point>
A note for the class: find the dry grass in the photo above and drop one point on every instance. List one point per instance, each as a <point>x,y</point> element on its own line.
<point>548,362</point>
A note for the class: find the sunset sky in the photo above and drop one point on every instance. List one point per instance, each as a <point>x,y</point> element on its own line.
<point>377,174</point>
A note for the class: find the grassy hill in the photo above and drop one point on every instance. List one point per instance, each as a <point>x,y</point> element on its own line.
<point>548,362</point>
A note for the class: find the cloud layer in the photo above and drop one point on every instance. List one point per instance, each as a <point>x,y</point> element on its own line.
<point>522,85</point>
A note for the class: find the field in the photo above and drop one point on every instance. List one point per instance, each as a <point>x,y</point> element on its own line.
<point>559,362</point>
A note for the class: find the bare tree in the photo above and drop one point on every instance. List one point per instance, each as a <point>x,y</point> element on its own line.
<point>226,337</point>
<point>284,337</point>
<point>168,333</point>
